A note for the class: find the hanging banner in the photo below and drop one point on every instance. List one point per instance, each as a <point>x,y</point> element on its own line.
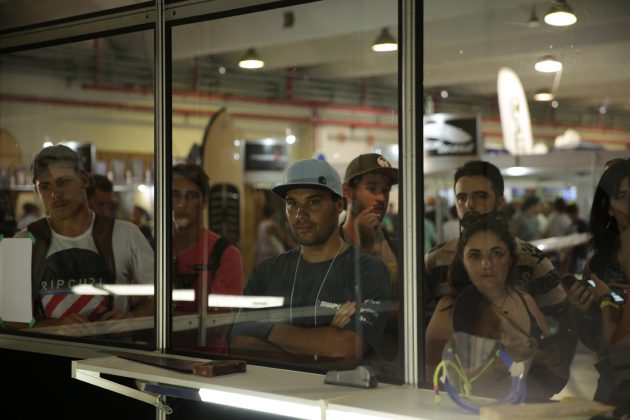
<point>451,135</point>
<point>515,120</point>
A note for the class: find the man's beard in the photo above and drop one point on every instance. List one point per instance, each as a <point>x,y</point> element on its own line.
<point>358,207</point>
<point>318,238</point>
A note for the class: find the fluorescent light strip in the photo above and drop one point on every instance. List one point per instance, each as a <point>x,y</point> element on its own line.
<point>186,295</point>
<point>130,289</point>
<point>88,289</point>
<point>237,301</point>
<point>285,406</point>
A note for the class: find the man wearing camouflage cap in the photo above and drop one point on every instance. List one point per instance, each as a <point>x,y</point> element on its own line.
<point>366,186</point>
<point>367,182</point>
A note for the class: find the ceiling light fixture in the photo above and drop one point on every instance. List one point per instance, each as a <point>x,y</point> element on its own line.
<point>543,95</point>
<point>384,42</point>
<point>560,14</point>
<point>548,64</point>
<point>533,21</point>
<point>251,60</point>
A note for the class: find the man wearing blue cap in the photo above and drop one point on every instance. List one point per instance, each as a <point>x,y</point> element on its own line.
<point>334,294</point>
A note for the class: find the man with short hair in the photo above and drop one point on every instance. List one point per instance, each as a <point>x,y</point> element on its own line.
<point>200,256</point>
<point>333,308</point>
<point>73,245</point>
<point>100,196</point>
<point>366,186</point>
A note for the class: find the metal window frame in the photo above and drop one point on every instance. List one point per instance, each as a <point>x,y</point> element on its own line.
<point>160,17</point>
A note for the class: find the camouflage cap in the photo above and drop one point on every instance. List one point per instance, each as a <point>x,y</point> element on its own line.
<point>370,162</point>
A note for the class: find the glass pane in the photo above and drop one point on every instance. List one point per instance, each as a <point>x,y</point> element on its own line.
<point>82,114</point>
<point>17,13</point>
<point>321,93</point>
<point>493,145</point>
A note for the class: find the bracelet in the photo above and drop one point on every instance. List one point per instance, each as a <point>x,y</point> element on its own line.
<point>606,303</point>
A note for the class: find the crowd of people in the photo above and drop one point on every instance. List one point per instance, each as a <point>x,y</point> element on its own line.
<point>339,283</point>
<point>506,284</point>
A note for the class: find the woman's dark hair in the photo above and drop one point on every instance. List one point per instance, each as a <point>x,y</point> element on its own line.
<point>195,174</point>
<point>603,226</point>
<point>496,223</point>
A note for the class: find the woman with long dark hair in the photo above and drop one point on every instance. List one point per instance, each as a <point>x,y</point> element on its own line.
<point>609,269</point>
<point>484,301</point>
<point>610,217</point>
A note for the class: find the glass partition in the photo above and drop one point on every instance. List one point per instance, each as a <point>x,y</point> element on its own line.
<point>521,117</point>
<point>77,130</point>
<point>252,95</point>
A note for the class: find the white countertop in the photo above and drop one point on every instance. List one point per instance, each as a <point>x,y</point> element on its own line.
<point>306,390</point>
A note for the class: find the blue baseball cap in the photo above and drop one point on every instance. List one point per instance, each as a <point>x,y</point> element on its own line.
<point>309,173</point>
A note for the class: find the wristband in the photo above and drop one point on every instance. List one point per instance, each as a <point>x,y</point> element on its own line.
<point>605,303</point>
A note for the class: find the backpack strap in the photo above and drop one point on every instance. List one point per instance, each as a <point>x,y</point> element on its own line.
<point>214,260</point>
<point>42,234</point>
<point>102,232</point>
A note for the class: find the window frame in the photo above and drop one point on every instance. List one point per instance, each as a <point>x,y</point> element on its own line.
<point>161,17</point>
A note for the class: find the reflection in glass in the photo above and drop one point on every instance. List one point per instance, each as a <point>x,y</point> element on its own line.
<point>204,261</point>
<point>337,294</point>
<point>59,96</point>
<point>322,93</point>
<point>463,53</point>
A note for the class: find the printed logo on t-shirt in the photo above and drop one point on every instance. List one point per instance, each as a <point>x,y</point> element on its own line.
<point>69,268</point>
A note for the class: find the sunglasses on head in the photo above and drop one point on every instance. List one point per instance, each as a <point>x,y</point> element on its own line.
<point>473,218</point>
